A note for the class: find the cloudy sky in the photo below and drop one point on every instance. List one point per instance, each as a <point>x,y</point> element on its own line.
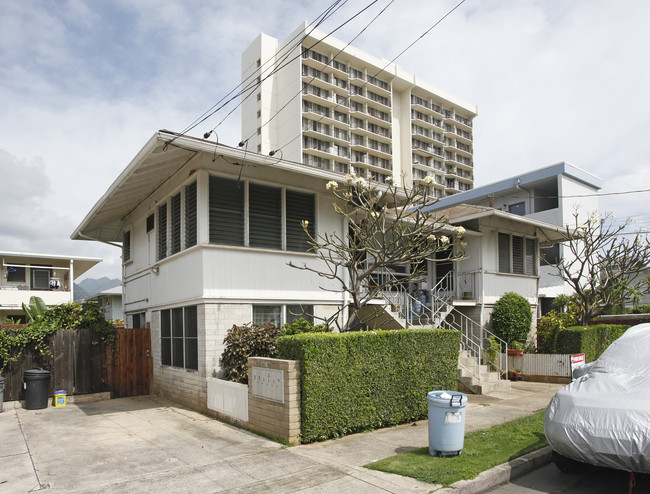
<point>85,83</point>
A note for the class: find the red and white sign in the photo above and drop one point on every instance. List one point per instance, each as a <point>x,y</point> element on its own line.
<point>577,361</point>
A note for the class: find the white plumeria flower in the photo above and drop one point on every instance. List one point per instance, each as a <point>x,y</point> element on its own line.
<point>444,239</point>
<point>349,178</point>
<point>361,182</point>
<point>374,214</point>
<point>331,185</point>
<point>460,231</point>
<point>593,219</point>
<point>428,180</point>
<point>431,237</point>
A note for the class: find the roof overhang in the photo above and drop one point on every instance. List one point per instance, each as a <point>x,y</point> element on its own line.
<point>30,259</point>
<point>163,157</point>
<point>546,232</point>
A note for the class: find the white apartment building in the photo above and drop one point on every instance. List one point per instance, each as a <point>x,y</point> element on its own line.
<point>332,106</point>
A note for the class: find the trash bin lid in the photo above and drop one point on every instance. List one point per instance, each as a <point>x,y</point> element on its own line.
<point>36,374</point>
<point>454,399</point>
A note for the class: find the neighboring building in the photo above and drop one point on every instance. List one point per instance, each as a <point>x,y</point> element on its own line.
<point>335,107</point>
<point>551,194</point>
<point>50,277</point>
<point>110,301</point>
<point>208,232</point>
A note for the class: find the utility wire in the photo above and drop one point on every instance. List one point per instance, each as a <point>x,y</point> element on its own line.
<point>289,47</point>
<point>331,61</point>
<point>275,70</point>
<point>280,67</point>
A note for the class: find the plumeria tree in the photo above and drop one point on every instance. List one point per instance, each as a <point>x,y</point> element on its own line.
<point>386,229</point>
<point>604,264</point>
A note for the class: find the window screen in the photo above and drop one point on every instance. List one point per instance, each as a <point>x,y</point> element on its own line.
<point>265,216</point>
<point>162,231</point>
<point>175,240</point>
<point>190,215</point>
<point>226,208</point>
<point>179,337</point>
<point>300,207</point>
<point>504,253</point>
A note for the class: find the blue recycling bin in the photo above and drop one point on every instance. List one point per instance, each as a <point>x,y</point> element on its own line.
<point>446,422</point>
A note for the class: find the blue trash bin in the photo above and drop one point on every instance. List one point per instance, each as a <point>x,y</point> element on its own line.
<point>446,422</point>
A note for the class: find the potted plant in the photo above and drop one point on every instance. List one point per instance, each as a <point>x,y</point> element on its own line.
<point>514,374</point>
<point>516,349</point>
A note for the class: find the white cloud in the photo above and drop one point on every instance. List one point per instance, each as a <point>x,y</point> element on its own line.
<point>84,85</point>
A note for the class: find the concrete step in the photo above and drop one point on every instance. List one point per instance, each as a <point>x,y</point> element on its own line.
<point>483,383</point>
<point>470,385</point>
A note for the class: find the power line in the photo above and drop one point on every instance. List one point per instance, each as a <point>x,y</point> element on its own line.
<point>279,67</point>
<point>215,108</point>
<point>314,77</point>
<point>283,63</point>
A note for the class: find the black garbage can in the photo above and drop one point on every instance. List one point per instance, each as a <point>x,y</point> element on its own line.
<point>37,387</point>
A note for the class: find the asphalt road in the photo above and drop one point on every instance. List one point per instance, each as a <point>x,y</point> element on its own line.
<point>594,480</point>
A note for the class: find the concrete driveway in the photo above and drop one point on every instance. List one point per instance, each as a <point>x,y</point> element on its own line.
<point>147,444</point>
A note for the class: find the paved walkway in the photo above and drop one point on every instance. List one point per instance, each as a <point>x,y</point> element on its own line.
<point>147,444</point>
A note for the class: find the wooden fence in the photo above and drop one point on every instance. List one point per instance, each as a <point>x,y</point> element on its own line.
<point>81,366</point>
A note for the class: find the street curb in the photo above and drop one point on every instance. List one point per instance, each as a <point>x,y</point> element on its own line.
<point>501,474</point>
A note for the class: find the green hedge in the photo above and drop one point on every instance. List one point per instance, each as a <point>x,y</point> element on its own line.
<point>590,340</point>
<point>358,381</point>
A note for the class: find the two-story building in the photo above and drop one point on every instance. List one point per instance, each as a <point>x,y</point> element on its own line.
<point>48,276</point>
<point>207,234</point>
<point>552,194</point>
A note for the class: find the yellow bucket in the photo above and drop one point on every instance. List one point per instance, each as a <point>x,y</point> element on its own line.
<point>60,398</point>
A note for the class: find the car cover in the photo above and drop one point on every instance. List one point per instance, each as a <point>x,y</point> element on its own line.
<point>603,417</point>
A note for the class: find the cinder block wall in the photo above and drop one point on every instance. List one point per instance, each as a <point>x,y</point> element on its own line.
<point>271,417</point>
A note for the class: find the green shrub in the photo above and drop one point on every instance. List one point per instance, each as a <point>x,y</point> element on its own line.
<point>547,328</point>
<point>590,340</point>
<point>511,318</point>
<point>302,326</point>
<point>598,337</point>
<point>640,309</point>
<point>357,381</point>
<point>569,340</point>
<point>241,342</point>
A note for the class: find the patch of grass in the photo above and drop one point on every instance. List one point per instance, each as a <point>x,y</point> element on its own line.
<point>482,450</point>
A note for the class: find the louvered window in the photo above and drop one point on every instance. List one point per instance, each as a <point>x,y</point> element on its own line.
<point>190,215</point>
<point>265,216</point>
<point>300,207</point>
<point>175,241</point>
<point>266,219</point>
<point>226,211</point>
<point>179,337</point>
<point>530,263</point>
<point>517,254</point>
<point>504,253</point>
<point>126,246</point>
<point>162,231</point>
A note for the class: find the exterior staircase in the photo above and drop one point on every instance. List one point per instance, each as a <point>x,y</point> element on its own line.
<point>486,382</point>
<point>399,309</point>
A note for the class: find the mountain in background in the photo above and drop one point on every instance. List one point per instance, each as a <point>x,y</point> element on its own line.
<point>91,286</point>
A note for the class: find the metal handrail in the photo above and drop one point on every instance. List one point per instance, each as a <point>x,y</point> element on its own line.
<point>475,339</point>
